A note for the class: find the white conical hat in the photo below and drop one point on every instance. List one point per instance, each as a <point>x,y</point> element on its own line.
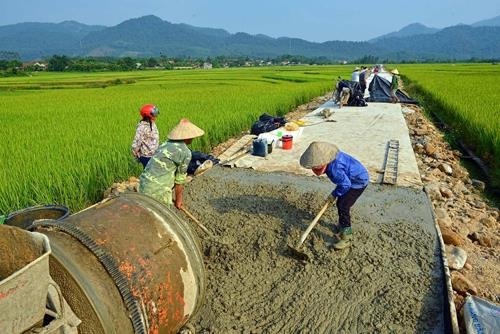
<point>395,71</point>
<point>318,154</point>
<point>185,130</point>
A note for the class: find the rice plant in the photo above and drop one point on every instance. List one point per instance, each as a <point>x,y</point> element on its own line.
<point>66,137</point>
<point>468,101</point>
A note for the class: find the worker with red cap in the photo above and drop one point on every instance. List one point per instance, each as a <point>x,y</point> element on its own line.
<point>147,137</point>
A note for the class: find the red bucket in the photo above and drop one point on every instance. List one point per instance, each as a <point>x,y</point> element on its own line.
<point>287,141</point>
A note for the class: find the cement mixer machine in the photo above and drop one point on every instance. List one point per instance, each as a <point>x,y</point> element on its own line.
<point>125,265</point>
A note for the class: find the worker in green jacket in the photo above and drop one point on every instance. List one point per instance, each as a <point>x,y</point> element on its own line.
<point>394,85</point>
<point>167,169</point>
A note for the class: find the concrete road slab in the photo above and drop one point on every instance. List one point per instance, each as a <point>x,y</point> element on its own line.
<point>362,132</point>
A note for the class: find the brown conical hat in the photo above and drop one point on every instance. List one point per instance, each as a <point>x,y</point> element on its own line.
<point>185,130</point>
<point>395,71</point>
<point>318,154</point>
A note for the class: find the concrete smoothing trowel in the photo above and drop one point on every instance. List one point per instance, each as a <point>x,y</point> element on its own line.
<point>296,251</point>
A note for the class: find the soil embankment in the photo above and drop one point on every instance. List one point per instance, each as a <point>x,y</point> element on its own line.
<point>468,223</point>
<point>389,281</point>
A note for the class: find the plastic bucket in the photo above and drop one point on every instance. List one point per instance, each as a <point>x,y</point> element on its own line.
<point>260,147</point>
<point>25,217</point>
<point>287,142</point>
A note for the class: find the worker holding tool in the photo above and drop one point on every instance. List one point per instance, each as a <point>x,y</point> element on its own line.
<point>350,176</point>
<point>394,86</point>
<point>167,169</point>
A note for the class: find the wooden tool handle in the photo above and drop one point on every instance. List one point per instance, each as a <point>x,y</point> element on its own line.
<point>313,223</point>
<point>195,220</point>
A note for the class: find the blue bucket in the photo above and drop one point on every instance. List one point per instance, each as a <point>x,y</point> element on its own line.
<point>260,147</point>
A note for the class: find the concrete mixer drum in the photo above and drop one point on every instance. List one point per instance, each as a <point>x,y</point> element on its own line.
<point>128,264</point>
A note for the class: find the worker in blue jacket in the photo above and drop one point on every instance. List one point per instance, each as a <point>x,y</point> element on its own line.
<point>350,176</point>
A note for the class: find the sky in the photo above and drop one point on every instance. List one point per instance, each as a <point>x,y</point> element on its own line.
<point>313,20</point>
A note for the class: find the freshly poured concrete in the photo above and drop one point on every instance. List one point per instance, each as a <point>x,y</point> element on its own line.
<point>362,132</point>
<point>389,281</point>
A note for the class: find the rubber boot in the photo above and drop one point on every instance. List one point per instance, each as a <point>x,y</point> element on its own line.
<point>345,239</point>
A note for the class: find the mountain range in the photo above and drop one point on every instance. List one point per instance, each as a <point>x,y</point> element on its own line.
<point>150,36</point>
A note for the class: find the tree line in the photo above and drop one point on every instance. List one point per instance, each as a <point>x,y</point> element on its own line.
<point>10,65</point>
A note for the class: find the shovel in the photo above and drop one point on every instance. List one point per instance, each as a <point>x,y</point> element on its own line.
<point>325,121</point>
<point>295,251</point>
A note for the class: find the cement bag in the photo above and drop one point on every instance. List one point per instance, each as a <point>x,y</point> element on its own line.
<point>480,316</point>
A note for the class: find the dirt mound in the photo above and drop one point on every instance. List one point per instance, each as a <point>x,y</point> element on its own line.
<point>390,280</point>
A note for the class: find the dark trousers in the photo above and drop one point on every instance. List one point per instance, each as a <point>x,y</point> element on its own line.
<point>144,160</point>
<point>363,88</point>
<point>344,204</point>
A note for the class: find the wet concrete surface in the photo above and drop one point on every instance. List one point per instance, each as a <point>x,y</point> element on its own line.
<point>389,281</point>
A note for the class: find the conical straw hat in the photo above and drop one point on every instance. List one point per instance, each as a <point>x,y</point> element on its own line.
<point>395,71</point>
<point>185,130</point>
<point>318,154</point>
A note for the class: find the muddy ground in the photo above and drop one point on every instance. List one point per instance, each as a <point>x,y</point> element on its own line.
<point>389,281</point>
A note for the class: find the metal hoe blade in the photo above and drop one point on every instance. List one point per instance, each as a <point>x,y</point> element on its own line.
<point>295,251</point>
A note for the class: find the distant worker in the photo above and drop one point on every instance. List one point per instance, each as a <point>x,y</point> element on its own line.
<point>355,74</point>
<point>350,176</point>
<point>168,167</point>
<point>342,92</point>
<point>362,79</point>
<point>394,85</point>
<point>147,137</point>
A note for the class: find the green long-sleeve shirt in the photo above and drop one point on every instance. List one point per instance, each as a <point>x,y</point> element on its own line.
<point>167,167</point>
<point>394,82</point>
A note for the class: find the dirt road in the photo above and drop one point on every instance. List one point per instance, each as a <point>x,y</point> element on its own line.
<point>388,282</point>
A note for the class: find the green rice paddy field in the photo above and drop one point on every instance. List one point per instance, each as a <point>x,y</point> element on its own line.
<point>467,98</point>
<point>66,136</point>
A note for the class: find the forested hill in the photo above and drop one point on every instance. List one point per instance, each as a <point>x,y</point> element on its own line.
<point>151,36</point>
<point>34,40</point>
<point>458,42</point>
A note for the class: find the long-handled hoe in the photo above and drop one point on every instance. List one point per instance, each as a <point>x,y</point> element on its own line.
<point>296,251</point>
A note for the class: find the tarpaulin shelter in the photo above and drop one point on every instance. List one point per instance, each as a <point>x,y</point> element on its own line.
<point>380,91</point>
<point>355,93</point>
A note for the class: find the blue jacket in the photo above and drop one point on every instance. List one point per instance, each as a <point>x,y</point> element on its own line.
<point>346,172</point>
